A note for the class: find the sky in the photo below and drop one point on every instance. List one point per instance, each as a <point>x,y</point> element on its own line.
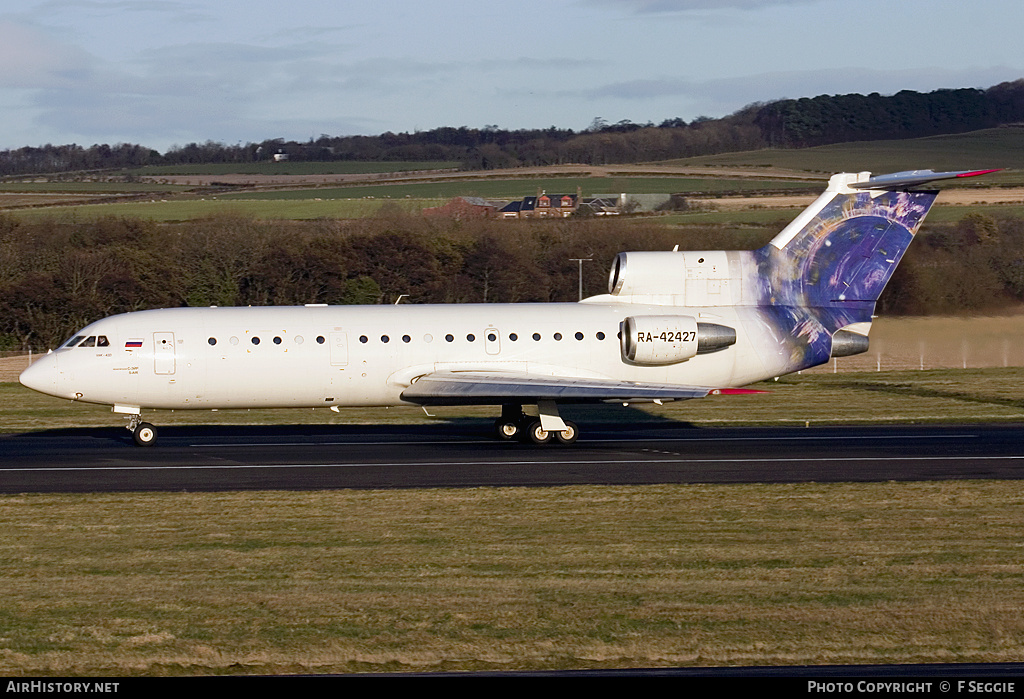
<point>170,72</point>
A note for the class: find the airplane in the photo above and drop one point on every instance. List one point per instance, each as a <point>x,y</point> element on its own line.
<point>674,325</point>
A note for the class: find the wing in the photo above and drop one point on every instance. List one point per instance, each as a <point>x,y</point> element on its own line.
<point>479,388</point>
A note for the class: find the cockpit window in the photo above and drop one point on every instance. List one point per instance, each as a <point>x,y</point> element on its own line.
<point>102,341</point>
<point>74,341</point>
<point>89,341</point>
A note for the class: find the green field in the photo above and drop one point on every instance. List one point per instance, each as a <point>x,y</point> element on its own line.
<point>990,148</point>
<point>87,187</point>
<point>338,167</point>
<point>187,209</point>
<point>360,201</point>
<point>527,186</point>
<point>982,149</point>
<point>302,208</point>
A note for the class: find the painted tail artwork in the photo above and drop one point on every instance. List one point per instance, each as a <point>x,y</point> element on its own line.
<point>818,280</point>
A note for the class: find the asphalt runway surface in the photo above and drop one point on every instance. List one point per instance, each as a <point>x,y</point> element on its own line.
<point>461,454</point>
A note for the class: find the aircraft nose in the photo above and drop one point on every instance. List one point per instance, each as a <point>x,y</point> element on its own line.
<point>41,375</point>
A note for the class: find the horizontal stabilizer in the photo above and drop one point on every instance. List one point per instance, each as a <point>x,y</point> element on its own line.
<point>912,178</point>
<point>478,388</point>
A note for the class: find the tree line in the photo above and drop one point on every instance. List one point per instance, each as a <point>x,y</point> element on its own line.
<point>56,277</point>
<point>784,124</point>
<point>907,114</point>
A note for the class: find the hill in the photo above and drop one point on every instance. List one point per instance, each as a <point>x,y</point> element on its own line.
<point>787,123</point>
<point>988,148</point>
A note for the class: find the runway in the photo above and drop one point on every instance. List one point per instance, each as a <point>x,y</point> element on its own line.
<point>461,454</point>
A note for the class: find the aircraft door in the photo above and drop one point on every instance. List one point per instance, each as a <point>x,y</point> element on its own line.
<point>339,349</point>
<point>492,341</point>
<point>163,353</point>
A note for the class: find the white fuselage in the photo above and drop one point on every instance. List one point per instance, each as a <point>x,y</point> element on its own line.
<point>322,356</point>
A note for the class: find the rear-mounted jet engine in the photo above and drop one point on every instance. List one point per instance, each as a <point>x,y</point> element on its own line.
<point>662,340</point>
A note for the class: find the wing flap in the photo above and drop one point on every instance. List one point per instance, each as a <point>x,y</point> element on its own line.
<point>478,388</point>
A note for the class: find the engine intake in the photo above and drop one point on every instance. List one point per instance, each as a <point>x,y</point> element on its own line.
<point>663,340</point>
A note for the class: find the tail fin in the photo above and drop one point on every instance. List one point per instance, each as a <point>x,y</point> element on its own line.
<point>842,250</point>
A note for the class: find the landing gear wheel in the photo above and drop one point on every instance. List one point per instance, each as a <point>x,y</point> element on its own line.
<point>144,434</point>
<point>569,435</point>
<point>537,434</point>
<point>506,429</point>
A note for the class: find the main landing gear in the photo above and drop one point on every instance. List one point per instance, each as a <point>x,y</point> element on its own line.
<point>143,433</point>
<point>546,428</point>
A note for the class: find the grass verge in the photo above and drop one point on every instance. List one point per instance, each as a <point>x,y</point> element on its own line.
<point>575,577</point>
<point>946,395</point>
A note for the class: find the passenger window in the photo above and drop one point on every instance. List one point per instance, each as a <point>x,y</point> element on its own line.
<point>471,337</point>
<point>536,337</point>
<point>558,336</point>
<point>579,336</point>
<point>319,339</point>
<point>364,339</point>
<point>600,336</point>
<point>385,339</point>
<point>449,338</point>
<point>513,337</point>
<point>406,338</point>
<point>255,341</point>
<point>212,341</point>
<point>277,340</point>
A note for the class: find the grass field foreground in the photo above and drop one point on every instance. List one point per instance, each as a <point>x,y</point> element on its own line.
<point>575,577</point>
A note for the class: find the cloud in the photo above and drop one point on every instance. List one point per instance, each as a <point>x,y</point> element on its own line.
<point>220,91</point>
<point>30,58</point>
<point>677,6</point>
<point>179,11</point>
